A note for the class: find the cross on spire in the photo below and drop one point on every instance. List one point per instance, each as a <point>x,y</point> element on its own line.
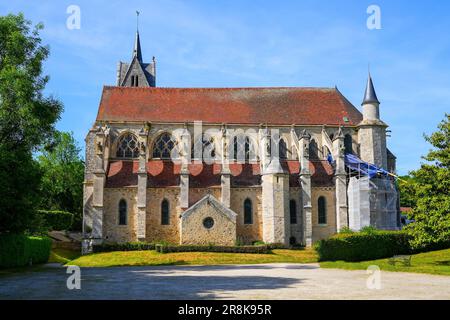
<point>137,43</point>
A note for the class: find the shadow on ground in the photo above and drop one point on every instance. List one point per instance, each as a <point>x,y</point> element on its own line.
<point>168,282</point>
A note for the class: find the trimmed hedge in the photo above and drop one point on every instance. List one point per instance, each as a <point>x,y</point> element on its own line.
<point>128,246</point>
<point>360,246</point>
<point>56,220</point>
<point>18,250</point>
<point>213,248</point>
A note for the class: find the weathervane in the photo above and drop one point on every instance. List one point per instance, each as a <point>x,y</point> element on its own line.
<point>137,20</point>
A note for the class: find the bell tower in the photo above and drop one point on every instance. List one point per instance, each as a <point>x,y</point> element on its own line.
<point>136,73</point>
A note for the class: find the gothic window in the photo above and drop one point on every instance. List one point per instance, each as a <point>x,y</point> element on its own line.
<point>136,81</point>
<point>322,209</point>
<point>122,212</point>
<point>313,150</point>
<point>241,147</point>
<point>205,144</point>
<point>348,144</point>
<point>127,146</point>
<point>163,147</point>
<point>165,219</point>
<point>282,150</point>
<point>293,211</point>
<point>248,212</point>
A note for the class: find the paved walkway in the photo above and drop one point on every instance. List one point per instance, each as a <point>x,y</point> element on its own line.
<point>268,281</point>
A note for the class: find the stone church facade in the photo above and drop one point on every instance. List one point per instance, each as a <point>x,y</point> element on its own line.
<point>223,165</point>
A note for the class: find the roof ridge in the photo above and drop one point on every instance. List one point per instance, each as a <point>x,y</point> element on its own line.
<point>216,88</point>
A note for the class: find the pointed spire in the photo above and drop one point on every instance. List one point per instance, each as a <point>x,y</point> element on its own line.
<point>137,42</point>
<point>370,96</point>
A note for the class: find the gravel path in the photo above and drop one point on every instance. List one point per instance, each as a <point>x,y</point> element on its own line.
<point>268,281</point>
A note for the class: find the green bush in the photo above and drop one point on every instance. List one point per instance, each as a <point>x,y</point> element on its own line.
<point>56,220</point>
<point>360,246</point>
<point>20,250</point>
<point>128,246</point>
<point>213,248</point>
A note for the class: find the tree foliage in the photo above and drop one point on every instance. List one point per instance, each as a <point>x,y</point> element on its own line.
<point>27,119</point>
<point>431,188</point>
<point>63,175</point>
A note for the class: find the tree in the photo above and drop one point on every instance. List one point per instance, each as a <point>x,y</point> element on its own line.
<point>406,188</point>
<point>27,119</point>
<point>432,191</point>
<point>62,176</point>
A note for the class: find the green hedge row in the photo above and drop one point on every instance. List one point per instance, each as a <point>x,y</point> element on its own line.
<point>128,246</point>
<point>213,248</point>
<point>20,250</point>
<point>360,246</point>
<point>56,220</point>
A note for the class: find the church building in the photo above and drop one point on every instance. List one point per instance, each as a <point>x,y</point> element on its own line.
<point>226,166</point>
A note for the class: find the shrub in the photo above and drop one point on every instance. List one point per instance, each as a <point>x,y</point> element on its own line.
<point>213,248</point>
<point>128,246</point>
<point>20,250</point>
<point>360,246</point>
<point>56,220</point>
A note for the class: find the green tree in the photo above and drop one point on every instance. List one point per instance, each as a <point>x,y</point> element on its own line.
<point>407,194</point>
<point>62,176</point>
<point>432,191</point>
<point>27,119</point>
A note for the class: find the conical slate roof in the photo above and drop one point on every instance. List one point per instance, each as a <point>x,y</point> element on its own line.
<point>370,96</point>
<point>137,48</point>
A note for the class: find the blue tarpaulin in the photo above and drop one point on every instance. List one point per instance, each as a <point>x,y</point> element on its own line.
<point>367,169</point>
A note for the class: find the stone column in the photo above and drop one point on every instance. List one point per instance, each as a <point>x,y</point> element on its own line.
<point>140,221</point>
<point>305,183</point>
<point>225,181</point>
<point>184,174</point>
<point>99,184</point>
<point>275,196</point>
<point>340,181</point>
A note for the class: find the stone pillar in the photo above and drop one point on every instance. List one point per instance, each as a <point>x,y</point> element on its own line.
<point>140,221</point>
<point>340,181</point>
<point>225,181</point>
<point>275,197</point>
<point>305,183</point>
<point>99,184</point>
<point>184,174</point>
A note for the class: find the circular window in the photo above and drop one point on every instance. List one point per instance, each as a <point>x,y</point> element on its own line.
<point>208,222</point>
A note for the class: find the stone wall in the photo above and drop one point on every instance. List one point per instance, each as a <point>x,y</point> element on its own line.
<point>112,231</point>
<point>326,230</point>
<point>296,230</point>
<point>247,233</point>
<point>155,231</point>
<point>223,226</point>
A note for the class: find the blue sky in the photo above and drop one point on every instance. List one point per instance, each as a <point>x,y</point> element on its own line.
<point>231,43</point>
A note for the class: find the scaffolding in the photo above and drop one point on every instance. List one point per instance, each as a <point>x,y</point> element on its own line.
<point>372,199</point>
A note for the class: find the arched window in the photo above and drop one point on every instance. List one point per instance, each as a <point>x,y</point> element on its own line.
<point>248,212</point>
<point>127,146</point>
<point>241,148</point>
<point>165,219</point>
<point>136,81</point>
<point>205,145</point>
<point>348,144</point>
<point>313,150</point>
<point>322,209</point>
<point>282,150</point>
<point>122,212</point>
<point>293,211</point>
<point>163,146</point>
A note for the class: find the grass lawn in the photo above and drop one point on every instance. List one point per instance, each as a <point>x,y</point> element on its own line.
<point>433,262</point>
<point>141,258</point>
<point>63,255</point>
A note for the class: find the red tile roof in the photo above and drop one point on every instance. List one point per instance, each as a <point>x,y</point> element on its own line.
<point>278,106</point>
